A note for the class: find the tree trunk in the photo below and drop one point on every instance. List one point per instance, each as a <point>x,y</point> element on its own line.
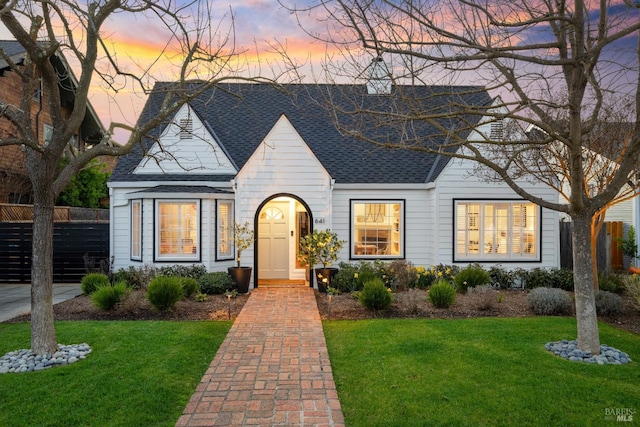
<point>596,225</point>
<point>583,280</point>
<point>43,334</point>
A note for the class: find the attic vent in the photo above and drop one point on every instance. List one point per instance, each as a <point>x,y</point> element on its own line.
<point>497,130</point>
<point>186,128</point>
<point>379,78</point>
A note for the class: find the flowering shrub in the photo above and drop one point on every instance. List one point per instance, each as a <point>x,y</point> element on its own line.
<point>347,278</point>
<point>424,278</point>
<point>320,247</point>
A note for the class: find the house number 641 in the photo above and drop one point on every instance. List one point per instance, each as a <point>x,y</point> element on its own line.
<point>318,221</point>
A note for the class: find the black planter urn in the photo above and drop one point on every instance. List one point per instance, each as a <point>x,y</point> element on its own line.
<point>324,277</point>
<point>241,277</point>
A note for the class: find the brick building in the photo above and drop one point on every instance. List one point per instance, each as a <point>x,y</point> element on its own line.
<point>14,182</point>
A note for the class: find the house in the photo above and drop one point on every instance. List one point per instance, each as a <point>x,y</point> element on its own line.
<point>15,186</point>
<point>272,156</point>
<point>605,146</point>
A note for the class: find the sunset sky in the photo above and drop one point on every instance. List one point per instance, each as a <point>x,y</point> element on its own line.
<point>257,25</point>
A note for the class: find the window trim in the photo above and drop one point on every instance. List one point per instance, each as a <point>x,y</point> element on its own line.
<point>134,257</point>
<point>402,229</point>
<point>156,232</point>
<point>219,256</point>
<point>494,259</point>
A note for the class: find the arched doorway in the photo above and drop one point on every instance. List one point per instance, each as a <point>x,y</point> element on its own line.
<point>280,222</point>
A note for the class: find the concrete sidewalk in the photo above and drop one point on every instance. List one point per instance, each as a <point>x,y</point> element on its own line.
<point>15,299</point>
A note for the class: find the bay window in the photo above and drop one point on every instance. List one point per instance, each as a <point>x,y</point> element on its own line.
<point>377,229</point>
<point>177,230</point>
<point>497,231</point>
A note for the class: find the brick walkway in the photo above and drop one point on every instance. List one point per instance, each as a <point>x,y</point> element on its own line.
<point>272,368</point>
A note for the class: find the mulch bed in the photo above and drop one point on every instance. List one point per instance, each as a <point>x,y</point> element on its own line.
<point>407,304</point>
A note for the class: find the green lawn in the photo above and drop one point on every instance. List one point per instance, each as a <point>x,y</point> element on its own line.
<point>139,374</point>
<point>476,372</point>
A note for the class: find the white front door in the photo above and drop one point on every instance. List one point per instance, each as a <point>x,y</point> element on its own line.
<point>273,241</point>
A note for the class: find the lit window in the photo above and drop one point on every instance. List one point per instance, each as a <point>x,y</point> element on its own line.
<point>225,229</point>
<point>377,229</point>
<point>136,230</point>
<point>497,231</point>
<point>177,227</point>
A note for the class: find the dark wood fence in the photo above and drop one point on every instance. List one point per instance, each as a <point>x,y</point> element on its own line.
<point>71,243</point>
<point>608,256</point>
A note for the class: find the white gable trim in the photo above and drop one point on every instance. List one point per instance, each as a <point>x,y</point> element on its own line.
<point>268,143</point>
<point>186,150</point>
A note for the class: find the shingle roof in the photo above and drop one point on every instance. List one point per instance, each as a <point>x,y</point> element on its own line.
<point>11,48</point>
<point>242,114</point>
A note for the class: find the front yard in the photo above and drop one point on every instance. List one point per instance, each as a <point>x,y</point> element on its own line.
<point>476,372</point>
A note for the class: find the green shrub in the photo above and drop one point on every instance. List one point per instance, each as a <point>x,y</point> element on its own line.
<point>375,295</point>
<point>189,286</point>
<point>501,278</point>
<point>538,278</point>
<point>611,282</point>
<point>442,294</point>
<point>346,280</point>
<point>107,296</point>
<point>632,288</point>
<point>164,292</point>
<point>215,283</point>
<point>549,301</point>
<point>92,281</point>
<point>471,276</point>
<point>608,303</point>
<point>135,277</point>
<point>364,277</point>
<point>561,278</point>
<point>192,271</point>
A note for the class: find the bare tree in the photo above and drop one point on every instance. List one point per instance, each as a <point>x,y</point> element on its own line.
<point>554,63</point>
<point>197,55</point>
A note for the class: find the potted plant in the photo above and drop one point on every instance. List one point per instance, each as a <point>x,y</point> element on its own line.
<point>321,247</point>
<point>243,238</point>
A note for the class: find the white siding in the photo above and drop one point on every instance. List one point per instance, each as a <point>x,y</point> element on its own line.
<point>418,222</point>
<point>121,229</point>
<point>455,182</point>
<point>282,164</point>
<point>622,211</point>
<point>198,154</point>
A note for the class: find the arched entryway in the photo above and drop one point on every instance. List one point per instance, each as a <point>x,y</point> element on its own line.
<point>280,222</point>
